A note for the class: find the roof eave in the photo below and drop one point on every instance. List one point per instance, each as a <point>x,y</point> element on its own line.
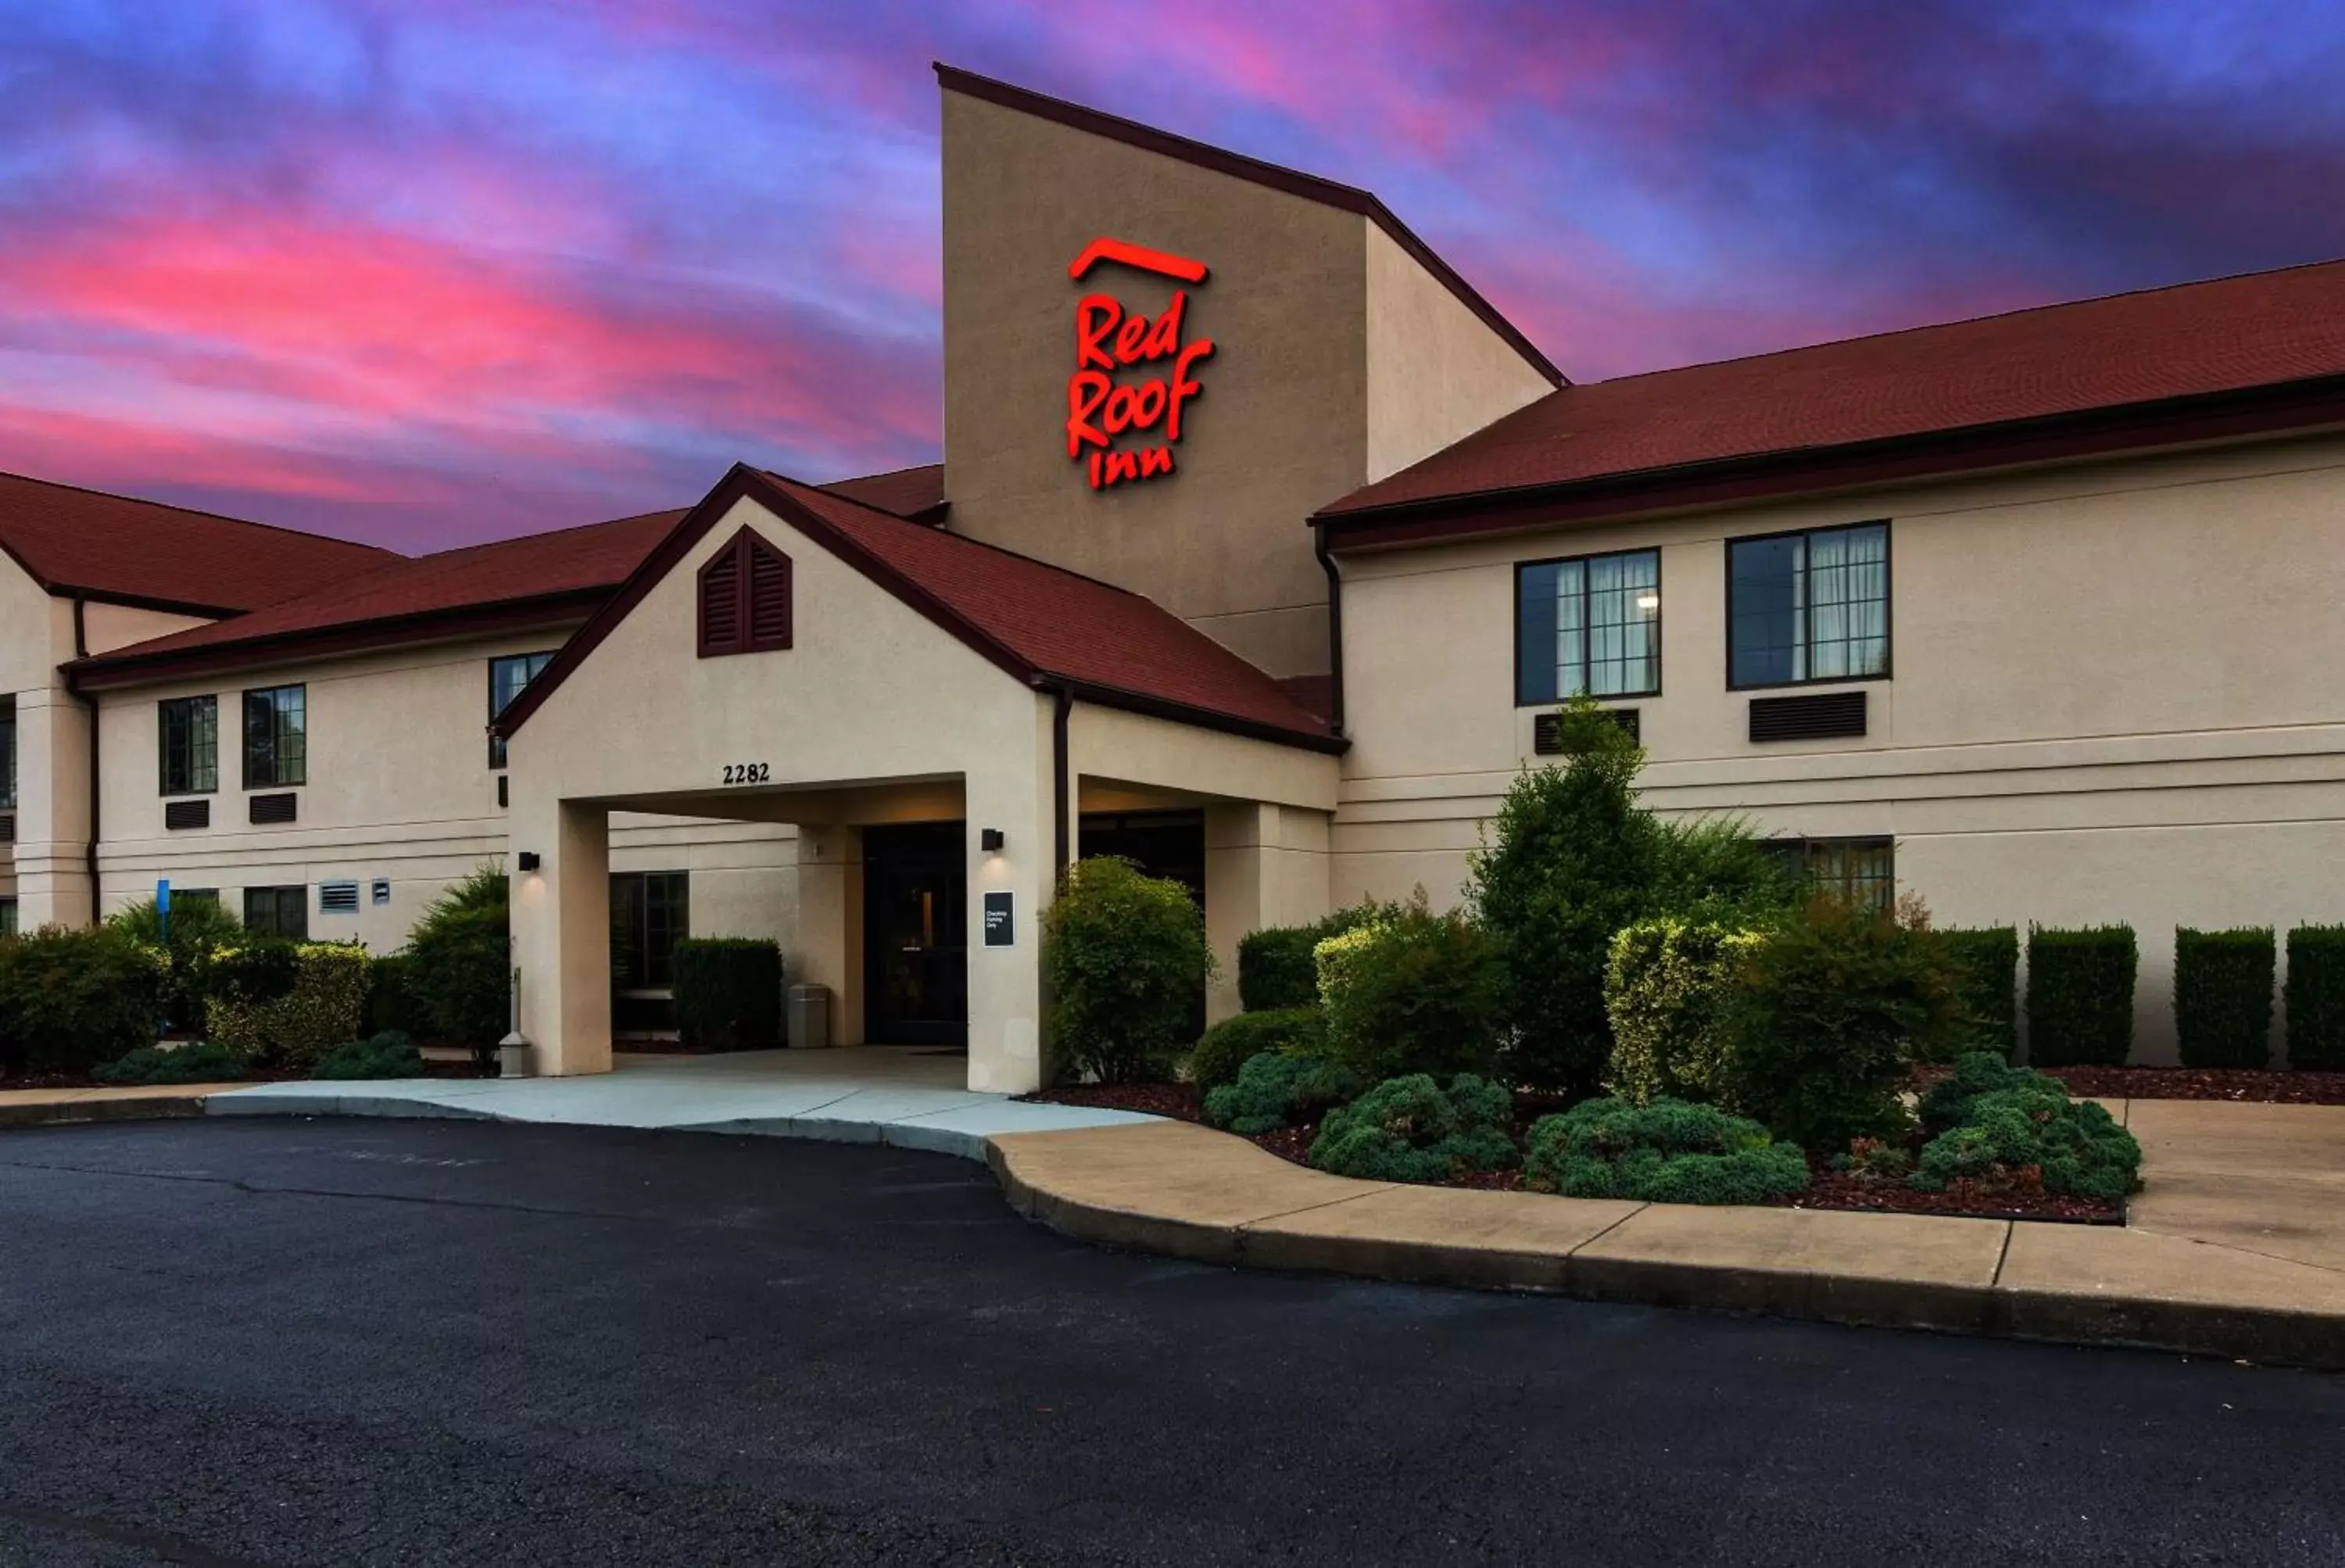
<point>2274,408</point>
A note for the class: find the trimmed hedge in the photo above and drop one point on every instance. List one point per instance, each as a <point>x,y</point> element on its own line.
<point>1666,992</point>
<point>729,992</point>
<point>1411,1128</point>
<point>1124,957</point>
<point>2080,996</point>
<point>1274,1090</point>
<point>1228,1045</point>
<point>2223,996</point>
<point>2316,997</point>
<point>1990,988</point>
<point>1667,1151</point>
<point>323,1009</point>
<point>1413,993</point>
<point>198,927</point>
<point>392,1006</point>
<point>72,999</point>
<point>1275,968</point>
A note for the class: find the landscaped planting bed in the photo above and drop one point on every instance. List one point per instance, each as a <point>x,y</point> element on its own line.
<point>2269,1087</point>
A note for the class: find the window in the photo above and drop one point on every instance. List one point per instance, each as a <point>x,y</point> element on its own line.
<point>8,752</point>
<point>7,917</point>
<point>275,737</point>
<point>190,731</point>
<point>745,598</point>
<point>1591,625</point>
<point>1808,606</point>
<point>180,896</point>
<point>650,910</point>
<point>1860,871</point>
<point>277,911</point>
<point>508,679</point>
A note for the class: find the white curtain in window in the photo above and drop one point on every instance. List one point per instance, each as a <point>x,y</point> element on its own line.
<point>1570,628</point>
<point>1622,604</point>
<point>1847,584</point>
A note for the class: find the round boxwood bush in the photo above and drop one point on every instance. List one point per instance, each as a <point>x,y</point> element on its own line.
<point>1411,1128</point>
<point>1231,1043</point>
<point>1124,957</point>
<point>1666,1151</point>
<point>389,1054</point>
<point>1275,1090</point>
<point>1666,992</point>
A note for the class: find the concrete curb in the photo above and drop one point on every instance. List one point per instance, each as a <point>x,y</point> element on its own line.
<point>2240,1330</point>
<point>61,1113</point>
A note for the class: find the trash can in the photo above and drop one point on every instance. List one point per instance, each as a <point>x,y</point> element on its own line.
<point>809,1021</point>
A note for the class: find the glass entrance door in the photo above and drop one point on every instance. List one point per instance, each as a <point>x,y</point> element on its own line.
<point>916,935</point>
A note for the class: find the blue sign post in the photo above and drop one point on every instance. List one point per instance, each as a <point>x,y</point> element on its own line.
<point>163,909</point>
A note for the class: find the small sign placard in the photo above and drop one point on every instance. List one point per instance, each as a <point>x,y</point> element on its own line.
<point>998,928</point>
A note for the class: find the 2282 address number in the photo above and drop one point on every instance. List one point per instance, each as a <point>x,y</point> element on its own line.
<point>748,773</point>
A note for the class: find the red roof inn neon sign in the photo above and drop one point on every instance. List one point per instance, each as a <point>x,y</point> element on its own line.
<point>1099,409</point>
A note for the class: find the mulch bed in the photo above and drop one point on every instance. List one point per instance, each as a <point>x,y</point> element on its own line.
<point>2252,1086</point>
<point>1827,1188</point>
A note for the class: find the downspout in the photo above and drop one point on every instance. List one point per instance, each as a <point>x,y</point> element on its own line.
<point>1062,708</point>
<point>1334,627</point>
<point>89,850</point>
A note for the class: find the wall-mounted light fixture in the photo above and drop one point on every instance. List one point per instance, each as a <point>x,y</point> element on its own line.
<point>528,859</point>
<point>989,839</point>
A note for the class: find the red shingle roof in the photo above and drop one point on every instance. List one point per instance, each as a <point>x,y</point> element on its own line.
<point>75,541</point>
<point>2194,340</point>
<point>915,492</point>
<point>412,596</point>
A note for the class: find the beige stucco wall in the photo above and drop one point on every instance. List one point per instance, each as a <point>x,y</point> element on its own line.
<point>1437,373</point>
<point>399,789</point>
<point>2114,698</point>
<point>1279,428</point>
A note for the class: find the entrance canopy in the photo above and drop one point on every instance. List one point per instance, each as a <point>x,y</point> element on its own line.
<point>788,656</point>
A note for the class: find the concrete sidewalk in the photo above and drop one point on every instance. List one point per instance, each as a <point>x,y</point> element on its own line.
<point>2237,1248</point>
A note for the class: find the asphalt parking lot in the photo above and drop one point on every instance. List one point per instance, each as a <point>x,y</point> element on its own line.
<point>226,1343</point>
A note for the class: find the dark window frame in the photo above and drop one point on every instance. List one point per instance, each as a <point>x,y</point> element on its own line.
<point>276,748</point>
<point>163,711</point>
<point>1586,663</point>
<point>1888,607</point>
<point>294,896</point>
<point>676,908</point>
<point>496,710</point>
<point>1805,850</point>
<point>8,915</point>
<point>8,753</point>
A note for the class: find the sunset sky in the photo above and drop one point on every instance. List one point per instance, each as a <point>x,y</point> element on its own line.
<point>424,272</point>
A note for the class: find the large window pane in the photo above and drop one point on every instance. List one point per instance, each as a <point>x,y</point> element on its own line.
<point>7,751</point>
<point>1591,625</point>
<point>1809,607</point>
<point>275,737</point>
<point>7,917</point>
<point>190,731</point>
<point>277,911</point>
<point>508,679</point>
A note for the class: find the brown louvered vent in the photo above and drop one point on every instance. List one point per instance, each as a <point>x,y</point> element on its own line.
<point>1547,729</point>
<point>745,598</point>
<point>1826,716</point>
<point>8,827</point>
<point>273,808</point>
<point>187,814</point>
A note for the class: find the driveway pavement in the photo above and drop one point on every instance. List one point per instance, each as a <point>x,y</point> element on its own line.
<point>264,1340</point>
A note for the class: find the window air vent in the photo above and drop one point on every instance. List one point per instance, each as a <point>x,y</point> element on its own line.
<point>382,890</point>
<point>273,808</point>
<point>1823,717</point>
<point>8,827</point>
<point>338,898</point>
<point>186,813</point>
<point>1547,729</point>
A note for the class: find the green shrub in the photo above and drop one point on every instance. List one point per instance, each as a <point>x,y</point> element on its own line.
<point>1569,859</point>
<point>2080,996</point>
<point>252,972</point>
<point>1231,1043</point>
<point>1274,1090</point>
<point>1666,993</point>
<point>459,968</point>
<point>324,1007</point>
<point>729,992</point>
<point>1124,957</point>
<point>1412,1129</point>
<point>1998,1135</point>
<point>2316,997</point>
<point>2223,996</point>
<point>1827,1013</point>
<point>72,999</point>
<point>1415,992</point>
<point>1667,1151</point>
<point>391,1003</point>
<point>1975,1074</point>
<point>389,1055</point>
<point>1990,988</point>
<point>1275,968</point>
<point>198,927</point>
<point>198,1062</point>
